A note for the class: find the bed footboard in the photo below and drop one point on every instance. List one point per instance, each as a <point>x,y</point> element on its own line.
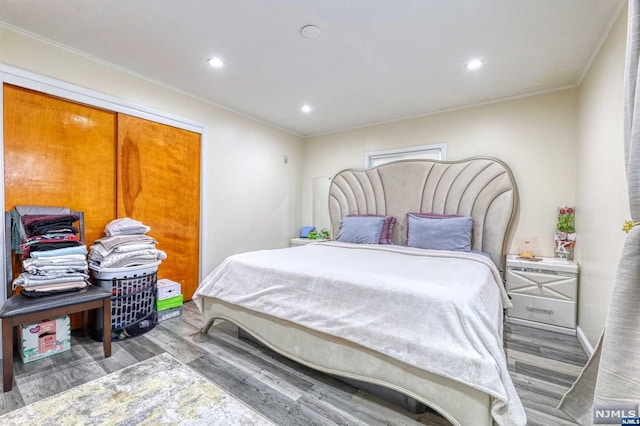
<point>458,403</point>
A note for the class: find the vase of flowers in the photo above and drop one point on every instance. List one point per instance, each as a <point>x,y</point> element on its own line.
<point>565,235</point>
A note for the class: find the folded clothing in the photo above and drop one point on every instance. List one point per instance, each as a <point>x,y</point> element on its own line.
<point>49,271</point>
<point>125,259</point>
<point>81,249</point>
<point>70,260</point>
<point>125,226</point>
<point>18,233</point>
<point>49,244</point>
<point>122,251</point>
<point>121,243</point>
<point>53,289</point>
<point>42,224</point>
<point>26,279</point>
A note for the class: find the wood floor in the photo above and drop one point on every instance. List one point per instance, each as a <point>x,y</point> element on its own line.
<point>543,366</point>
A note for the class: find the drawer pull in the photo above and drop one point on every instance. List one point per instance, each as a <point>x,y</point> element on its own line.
<point>532,309</point>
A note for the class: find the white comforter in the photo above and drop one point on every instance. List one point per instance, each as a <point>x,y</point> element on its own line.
<point>440,311</point>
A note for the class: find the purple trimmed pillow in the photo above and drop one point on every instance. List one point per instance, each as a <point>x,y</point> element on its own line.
<point>387,227</point>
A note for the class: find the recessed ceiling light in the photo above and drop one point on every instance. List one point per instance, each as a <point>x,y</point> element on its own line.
<point>310,31</point>
<point>306,109</point>
<point>215,62</point>
<point>474,64</point>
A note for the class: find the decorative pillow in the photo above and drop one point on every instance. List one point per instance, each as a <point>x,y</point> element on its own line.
<point>443,233</point>
<point>387,228</point>
<point>361,229</point>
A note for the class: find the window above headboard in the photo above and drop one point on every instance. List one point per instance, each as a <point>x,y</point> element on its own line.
<point>423,152</point>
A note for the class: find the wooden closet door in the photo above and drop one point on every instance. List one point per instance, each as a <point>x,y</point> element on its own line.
<point>159,185</point>
<point>59,153</point>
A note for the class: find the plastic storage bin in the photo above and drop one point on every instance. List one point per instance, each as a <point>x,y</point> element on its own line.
<point>133,298</point>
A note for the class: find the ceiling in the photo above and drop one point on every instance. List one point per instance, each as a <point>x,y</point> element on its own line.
<point>374,60</point>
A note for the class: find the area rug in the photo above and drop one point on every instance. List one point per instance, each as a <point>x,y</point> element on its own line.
<point>158,391</point>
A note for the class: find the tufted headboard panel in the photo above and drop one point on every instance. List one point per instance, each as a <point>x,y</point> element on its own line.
<point>482,188</point>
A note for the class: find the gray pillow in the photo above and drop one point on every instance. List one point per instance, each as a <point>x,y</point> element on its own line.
<point>361,229</point>
<point>451,233</point>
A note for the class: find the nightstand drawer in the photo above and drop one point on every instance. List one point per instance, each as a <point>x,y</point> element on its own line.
<point>555,312</point>
<point>551,284</point>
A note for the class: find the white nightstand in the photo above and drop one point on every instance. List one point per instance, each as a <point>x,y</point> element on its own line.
<point>544,293</point>
<point>296,242</point>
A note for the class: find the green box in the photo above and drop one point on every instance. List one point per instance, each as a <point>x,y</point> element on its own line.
<point>172,302</point>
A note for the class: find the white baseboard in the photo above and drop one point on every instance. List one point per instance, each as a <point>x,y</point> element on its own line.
<point>584,342</point>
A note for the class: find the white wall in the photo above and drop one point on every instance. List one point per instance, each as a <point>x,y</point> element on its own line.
<point>250,198</point>
<point>535,136</point>
<point>601,200</point>
<point>564,147</point>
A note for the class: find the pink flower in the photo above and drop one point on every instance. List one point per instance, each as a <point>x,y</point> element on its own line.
<point>562,211</point>
<point>569,210</point>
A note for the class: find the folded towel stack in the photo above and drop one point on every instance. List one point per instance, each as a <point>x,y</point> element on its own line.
<point>53,258</point>
<point>125,245</point>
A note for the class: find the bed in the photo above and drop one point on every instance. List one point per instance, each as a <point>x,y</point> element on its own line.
<point>421,321</point>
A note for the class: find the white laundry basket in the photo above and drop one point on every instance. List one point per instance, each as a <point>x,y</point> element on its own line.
<point>133,297</point>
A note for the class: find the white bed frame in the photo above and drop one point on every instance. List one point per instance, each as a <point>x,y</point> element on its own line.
<point>482,188</point>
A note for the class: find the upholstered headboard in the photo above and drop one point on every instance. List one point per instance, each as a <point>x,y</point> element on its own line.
<point>482,188</point>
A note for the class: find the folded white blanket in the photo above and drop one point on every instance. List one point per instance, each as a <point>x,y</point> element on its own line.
<point>28,280</point>
<point>125,226</point>
<point>98,251</point>
<point>130,258</point>
<point>43,268</point>
<point>55,260</point>
<point>67,285</point>
<point>437,310</point>
<point>104,246</point>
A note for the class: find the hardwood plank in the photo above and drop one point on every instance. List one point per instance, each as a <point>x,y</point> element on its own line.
<point>287,392</point>
<point>542,403</point>
<point>540,386</point>
<point>545,338</point>
<point>192,316</point>
<point>564,356</point>
<point>57,377</point>
<point>179,326</point>
<point>329,411</point>
<point>523,347</point>
<point>277,407</point>
<point>11,400</point>
<point>369,415</point>
<point>536,418</point>
<point>140,347</point>
<point>544,362</point>
<point>174,344</point>
<point>543,373</point>
<point>269,373</point>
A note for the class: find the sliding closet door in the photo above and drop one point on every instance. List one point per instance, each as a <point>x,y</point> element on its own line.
<point>159,185</point>
<point>59,153</point>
